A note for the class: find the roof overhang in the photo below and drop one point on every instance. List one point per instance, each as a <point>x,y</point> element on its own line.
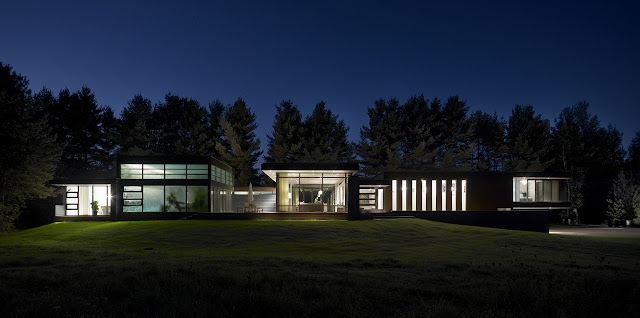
<point>272,169</point>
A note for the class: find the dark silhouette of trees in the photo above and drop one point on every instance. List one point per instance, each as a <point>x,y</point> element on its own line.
<point>79,124</point>
<point>421,133</point>
<point>591,154</point>
<point>489,142</point>
<point>527,140</point>
<point>213,128</point>
<point>238,146</point>
<point>381,141</point>
<point>29,149</point>
<point>325,137</point>
<point>180,125</point>
<point>286,139</point>
<point>457,133</point>
<point>634,158</point>
<point>135,131</point>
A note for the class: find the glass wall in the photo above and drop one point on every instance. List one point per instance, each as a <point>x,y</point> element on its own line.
<point>151,171</point>
<point>160,198</point>
<point>311,191</point>
<point>88,200</point>
<point>540,190</point>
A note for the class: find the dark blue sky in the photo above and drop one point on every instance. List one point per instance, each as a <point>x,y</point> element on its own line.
<point>494,54</point>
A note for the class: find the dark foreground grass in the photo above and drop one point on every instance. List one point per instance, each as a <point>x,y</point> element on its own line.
<point>313,268</point>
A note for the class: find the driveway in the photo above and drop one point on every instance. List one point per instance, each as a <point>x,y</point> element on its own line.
<point>596,231</point>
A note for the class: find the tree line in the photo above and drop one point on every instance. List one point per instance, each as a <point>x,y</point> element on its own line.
<point>47,135</point>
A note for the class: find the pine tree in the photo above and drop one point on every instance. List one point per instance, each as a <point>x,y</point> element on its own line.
<point>380,142</point>
<point>180,125</point>
<point>616,198</point>
<point>634,158</point>
<point>457,149</point>
<point>325,137</point>
<point>527,140</point>
<point>238,146</point>
<point>623,202</point>
<point>489,139</point>
<point>422,133</point>
<point>583,148</point>
<point>285,142</point>
<point>29,149</point>
<point>213,128</point>
<point>108,146</point>
<point>135,131</point>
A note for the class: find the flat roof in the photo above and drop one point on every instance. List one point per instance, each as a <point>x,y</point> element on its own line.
<point>271,169</point>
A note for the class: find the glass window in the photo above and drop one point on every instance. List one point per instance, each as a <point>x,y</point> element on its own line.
<point>132,195</point>
<point>464,195</point>
<point>132,209</point>
<point>132,202</point>
<point>414,194</point>
<point>394,197</point>
<point>175,198</point>
<point>132,188</point>
<point>547,190</point>
<point>153,199</point>
<point>130,171</point>
<point>101,195</point>
<point>403,199</point>
<point>555,190</point>
<point>444,195</point>
<point>539,193</point>
<point>434,192</point>
<point>453,195</point>
<point>197,198</point>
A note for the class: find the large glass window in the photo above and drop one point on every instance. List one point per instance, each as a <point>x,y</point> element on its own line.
<point>88,200</point>
<point>153,171</point>
<point>539,190</point>
<point>153,198</point>
<point>311,192</point>
<point>175,199</point>
<point>197,198</point>
<point>131,171</point>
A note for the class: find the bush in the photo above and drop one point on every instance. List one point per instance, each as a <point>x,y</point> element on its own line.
<point>8,216</point>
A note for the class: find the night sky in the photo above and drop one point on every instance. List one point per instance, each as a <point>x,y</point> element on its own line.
<point>494,54</point>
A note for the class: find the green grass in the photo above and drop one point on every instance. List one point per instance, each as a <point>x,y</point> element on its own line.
<point>313,268</point>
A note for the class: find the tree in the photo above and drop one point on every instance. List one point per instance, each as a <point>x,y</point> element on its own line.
<point>238,146</point>
<point>135,128</point>
<point>29,152</point>
<point>489,139</point>
<point>108,145</point>
<point>421,128</point>
<point>588,152</point>
<point>180,126</point>
<point>457,131</point>
<point>213,128</point>
<point>380,142</point>
<point>623,201</point>
<point>527,140</point>
<point>285,142</point>
<point>325,137</point>
<point>634,158</point>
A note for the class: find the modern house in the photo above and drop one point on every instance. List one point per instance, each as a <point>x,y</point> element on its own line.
<point>170,186</point>
<point>154,184</point>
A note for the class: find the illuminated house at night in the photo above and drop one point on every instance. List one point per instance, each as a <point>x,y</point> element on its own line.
<point>167,186</point>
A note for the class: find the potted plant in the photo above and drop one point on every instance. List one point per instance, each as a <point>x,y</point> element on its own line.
<point>95,207</point>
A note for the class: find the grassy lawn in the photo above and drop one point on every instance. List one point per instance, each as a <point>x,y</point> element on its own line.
<point>386,268</point>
